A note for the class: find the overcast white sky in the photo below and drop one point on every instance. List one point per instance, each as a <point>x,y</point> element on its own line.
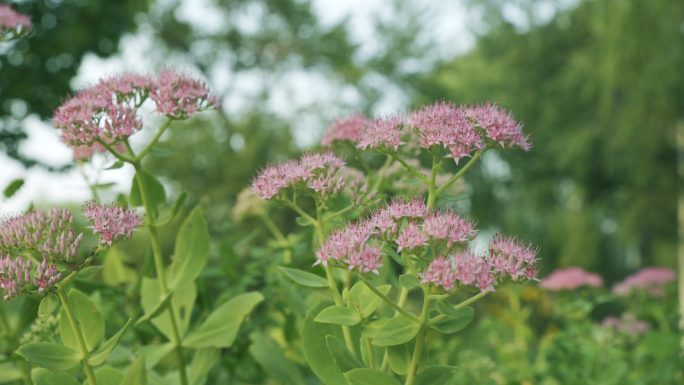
<point>446,23</point>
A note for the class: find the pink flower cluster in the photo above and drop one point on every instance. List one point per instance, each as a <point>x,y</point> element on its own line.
<point>460,129</point>
<point>360,244</point>
<point>650,279</point>
<point>461,268</point>
<point>627,324</point>
<point>180,95</point>
<point>347,128</point>
<point>315,170</point>
<point>111,222</point>
<point>46,232</point>
<point>13,22</point>
<point>508,258</point>
<point>15,276</point>
<point>569,279</point>
<point>109,109</point>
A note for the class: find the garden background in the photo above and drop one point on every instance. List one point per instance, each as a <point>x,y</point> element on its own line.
<point>599,85</point>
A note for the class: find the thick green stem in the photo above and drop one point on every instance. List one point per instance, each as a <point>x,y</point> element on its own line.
<point>410,168</point>
<point>159,264</point>
<point>460,173</point>
<point>394,306</point>
<point>78,334</point>
<point>432,194</point>
<point>420,339</point>
<point>458,307</point>
<point>14,345</point>
<point>402,301</point>
<point>154,141</point>
<point>371,353</point>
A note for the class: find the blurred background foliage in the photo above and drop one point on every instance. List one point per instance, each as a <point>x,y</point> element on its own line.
<point>599,85</point>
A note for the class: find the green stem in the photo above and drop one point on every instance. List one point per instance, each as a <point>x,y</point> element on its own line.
<point>159,264</point>
<point>410,168</point>
<point>402,300</point>
<point>118,155</point>
<point>79,335</point>
<point>390,302</point>
<point>381,173</point>
<point>461,172</point>
<point>458,307</point>
<point>14,345</point>
<point>337,214</point>
<point>432,194</point>
<point>420,339</point>
<point>273,229</point>
<point>154,141</point>
<point>371,354</point>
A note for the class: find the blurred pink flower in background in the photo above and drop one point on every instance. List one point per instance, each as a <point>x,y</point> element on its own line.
<point>347,128</point>
<point>570,278</point>
<point>651,279</point>
<point>628,324</point>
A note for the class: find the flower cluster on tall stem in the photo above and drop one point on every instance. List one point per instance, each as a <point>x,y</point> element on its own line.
<point>112,222</point>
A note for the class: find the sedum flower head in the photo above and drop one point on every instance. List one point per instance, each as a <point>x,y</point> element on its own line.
<point>13,24</point>
<point>47,232</point>
<point>15,277</point>
<point>570,278</point>
<point>649,279</point>
<point>180,95</point>
<point>347,128</point>
<point>461,130</point>
<point>111,222</point>
<point>314,170</point>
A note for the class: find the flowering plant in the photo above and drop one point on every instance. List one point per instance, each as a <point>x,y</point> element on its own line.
<point>430,242</point>
<point>102,118</point>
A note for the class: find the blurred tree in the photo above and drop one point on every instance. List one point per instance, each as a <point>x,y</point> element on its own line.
<point>600,88</point>
<point>35,72</point>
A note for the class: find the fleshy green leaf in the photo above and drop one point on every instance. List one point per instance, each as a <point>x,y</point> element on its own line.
<point>89,319</point>
<point>342,356</point>
<point>137,374</point>
<point>180,202</point>
<point>157,309</point>
<point>48,305</point>
<point>400,357</point>
<point>115,272</point>
<point>105,350</point>
<point>411,182</point>
<point>202,362</point>
<point>303,221</point>
<point>49,355</point>
<point>12,188</point>
<point>316,347</point>
<point>118,164</point>
<point>183,301</point>
<point>273,361</point>
<point>372,328</point>
<point>221,327</point>
<point>398,330</point>
<point>436,375</point>
<point>451,325</point>
<point>191,251</point>
<point>162,153</point>
<point>102,186</point>
<point>447,309</point>
<point>364,297</point>
<point>369,377</point>
<point>88,272</point>
<point>154,188</point>
<point>154,353</point>
<point>453,198</point>
<point>41,376</point>
<point>304,277</point>
<point>409,281</point>
<point>107,375</point>
<point>338,315</point>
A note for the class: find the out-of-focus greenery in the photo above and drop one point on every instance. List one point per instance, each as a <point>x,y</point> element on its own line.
<point>601,90</point>
<point>36,71</point>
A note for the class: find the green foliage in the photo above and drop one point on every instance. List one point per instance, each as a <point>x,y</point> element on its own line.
<point>50,356</point>
<point>436,375</point>
<point>272,359</point>
<point>106,375</point>
<point>338,315</point>
<point>344,359</point>
<point>304,277</point>
<point>12,188</point>
<point>136,374</point>
<point>48,305</point>
<point>183,301</point>
<point>192,250</point>
<point>369,377</point>
<point>400,357</point>
<point>315,346</point>
<point>98,357</point>
<point>453,322</point>
<point>155,190</point>
<point>367,301</point>
<point>221,327</point>
<point>89,320</point>
<point>397,331</point>
<point>41,376</point>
